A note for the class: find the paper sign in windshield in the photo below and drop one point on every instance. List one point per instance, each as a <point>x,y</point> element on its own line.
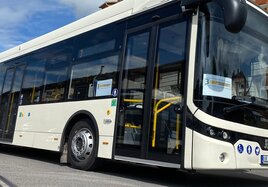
<point>218,86</point>
<point>104,87</point>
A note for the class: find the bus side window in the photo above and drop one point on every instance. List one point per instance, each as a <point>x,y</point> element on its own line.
<point>57,59</point>
<point>94,72</point>
<point>55,81</point>
<point>86,75</point>
<point>32,83</point>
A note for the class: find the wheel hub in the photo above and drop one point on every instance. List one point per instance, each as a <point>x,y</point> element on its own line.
<point>82,144</point>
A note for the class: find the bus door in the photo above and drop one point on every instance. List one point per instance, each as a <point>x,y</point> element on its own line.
<point>131,115</point>
<point>149,125</point>
<point>166,102</point>
<point>9,102</point>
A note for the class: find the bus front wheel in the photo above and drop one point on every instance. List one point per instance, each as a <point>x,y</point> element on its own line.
<point>82,146</point>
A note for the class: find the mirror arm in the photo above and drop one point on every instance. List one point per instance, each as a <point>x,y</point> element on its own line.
<point>234,11</point>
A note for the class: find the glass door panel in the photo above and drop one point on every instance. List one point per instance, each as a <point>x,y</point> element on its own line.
<point>131,115</point>
<point>150,119</point>
<point>13,103</point>
<point>168,84</point>
<point>9,102</point>
<point>6,97</point>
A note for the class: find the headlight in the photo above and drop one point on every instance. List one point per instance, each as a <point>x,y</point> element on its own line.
<point>211,131</point>
<point>220,134</point>
<point>225,135</point>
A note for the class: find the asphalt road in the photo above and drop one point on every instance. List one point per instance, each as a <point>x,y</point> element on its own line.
<point>30,167</point>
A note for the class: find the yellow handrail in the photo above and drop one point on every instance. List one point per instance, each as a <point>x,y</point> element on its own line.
<point>9,113</point>
<point>133,100</point>
<point>171,101</point>
<point>33,93</point>
<point>177,131</point>
<point>129,125</point>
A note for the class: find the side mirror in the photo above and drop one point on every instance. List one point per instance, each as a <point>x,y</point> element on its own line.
<point>234,12</point>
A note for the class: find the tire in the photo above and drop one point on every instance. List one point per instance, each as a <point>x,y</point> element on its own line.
<point>83,146</point>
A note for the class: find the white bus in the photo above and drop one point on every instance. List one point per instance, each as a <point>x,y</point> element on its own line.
<point>178,84</point>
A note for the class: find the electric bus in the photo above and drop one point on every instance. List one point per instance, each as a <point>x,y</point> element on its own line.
<point>171,83</point>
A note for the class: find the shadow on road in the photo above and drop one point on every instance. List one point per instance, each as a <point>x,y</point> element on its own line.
<point>150,175</point>
<point>172,177</point>
<point>36,154</point>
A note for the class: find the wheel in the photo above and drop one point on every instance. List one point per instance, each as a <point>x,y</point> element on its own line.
<point>82,146</point>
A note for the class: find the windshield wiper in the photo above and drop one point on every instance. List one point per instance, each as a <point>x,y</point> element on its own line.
<point>246,100</point>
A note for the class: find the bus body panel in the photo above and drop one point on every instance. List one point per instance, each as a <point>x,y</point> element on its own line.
<point>224,124</point>
<point>207,152</point>
<point>190,84</point>
<point>248,157</point>
<point>244,154</point>
<point>188,148</point>
<point>41,126</point>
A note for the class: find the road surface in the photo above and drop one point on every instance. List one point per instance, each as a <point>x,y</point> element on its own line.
<point>30,167</point>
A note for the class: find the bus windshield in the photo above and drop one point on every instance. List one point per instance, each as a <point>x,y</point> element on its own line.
<point>232,68</point>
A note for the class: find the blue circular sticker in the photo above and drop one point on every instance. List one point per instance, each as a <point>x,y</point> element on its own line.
<point>249,149</point>
<point>115,92</point>
<point>257,150</point>
<point>240,148</point>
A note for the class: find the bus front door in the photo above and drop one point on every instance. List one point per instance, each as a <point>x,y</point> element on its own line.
<point>167,97</point>
<point>9,102</point>
<point>149,123</point>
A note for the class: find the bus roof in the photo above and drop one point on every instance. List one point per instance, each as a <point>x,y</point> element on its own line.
<point>116,12</point>
<point>102,17</point>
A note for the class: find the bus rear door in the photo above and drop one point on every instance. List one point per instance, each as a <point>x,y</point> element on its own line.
<point>9,102</point>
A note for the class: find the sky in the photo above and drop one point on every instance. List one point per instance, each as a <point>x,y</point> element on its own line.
<point>23,20</point>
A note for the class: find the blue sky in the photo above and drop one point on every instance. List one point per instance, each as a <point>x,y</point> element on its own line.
<point>23,20</point>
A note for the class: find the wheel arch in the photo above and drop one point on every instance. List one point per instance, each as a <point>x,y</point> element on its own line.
<point>80,115</point>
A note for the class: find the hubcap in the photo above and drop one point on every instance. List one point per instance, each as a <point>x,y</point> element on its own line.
<point>82,144</point>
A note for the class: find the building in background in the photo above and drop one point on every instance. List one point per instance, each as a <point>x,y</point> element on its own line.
<point>262,3</point>
<point>108,3</point>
